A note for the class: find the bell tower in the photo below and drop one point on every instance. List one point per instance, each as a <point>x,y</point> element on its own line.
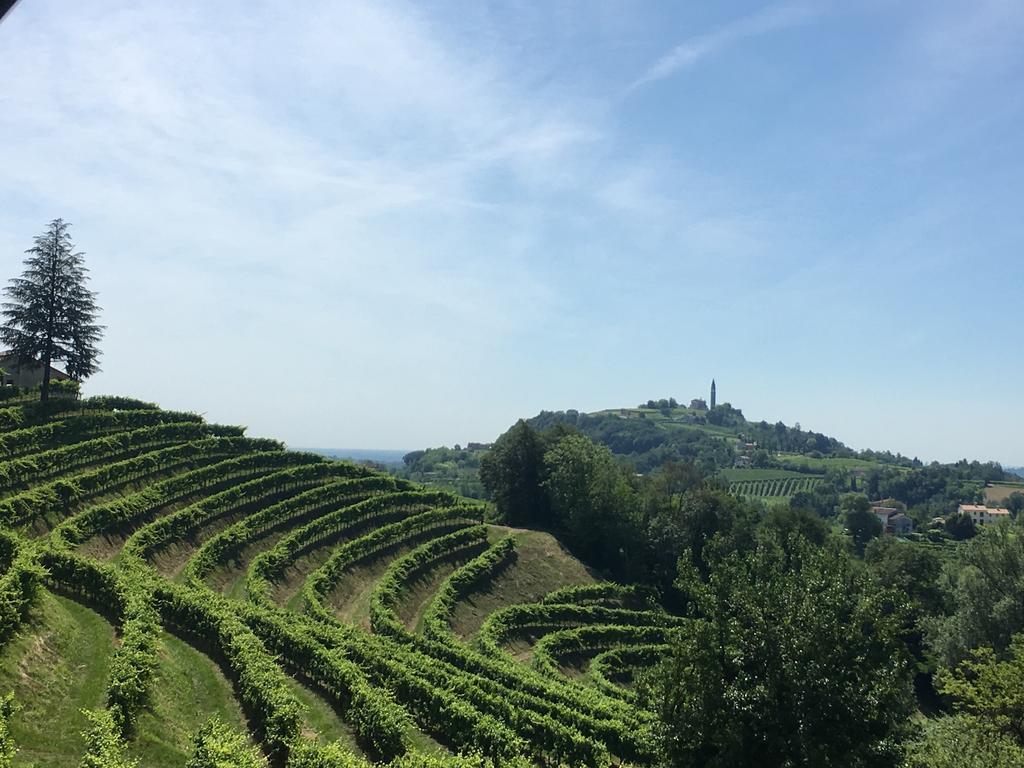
<point>712,394</point>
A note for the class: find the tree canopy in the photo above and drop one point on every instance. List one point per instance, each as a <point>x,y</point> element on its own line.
<point>794,657</point>
<point>50,314</point>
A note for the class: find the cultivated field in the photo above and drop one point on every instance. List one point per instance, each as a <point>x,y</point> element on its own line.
<point>768,484</point>
<point>998,493</point>
<point>163,571</point>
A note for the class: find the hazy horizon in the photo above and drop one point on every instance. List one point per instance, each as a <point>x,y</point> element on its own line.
<point>398,224</point>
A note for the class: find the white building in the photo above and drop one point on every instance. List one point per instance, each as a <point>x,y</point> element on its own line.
<point>981,515</point>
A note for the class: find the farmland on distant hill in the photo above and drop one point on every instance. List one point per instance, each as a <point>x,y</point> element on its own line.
<point>768,484</point>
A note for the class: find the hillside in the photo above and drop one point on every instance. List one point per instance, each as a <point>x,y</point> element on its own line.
<point>771,463</point>
<point>160,570</point>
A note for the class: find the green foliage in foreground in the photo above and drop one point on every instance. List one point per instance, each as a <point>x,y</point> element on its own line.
<point>217,746</point>
<point>963,742</point>
<point>988,595</point>
<point>796,659</point>
<point>104,746</point>
<point>990,689</point>
<point>8,749</point>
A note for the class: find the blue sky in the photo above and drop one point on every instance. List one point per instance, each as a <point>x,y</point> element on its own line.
<point>397,225</point>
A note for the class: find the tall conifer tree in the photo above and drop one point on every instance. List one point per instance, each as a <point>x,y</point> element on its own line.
<point>50,314</point>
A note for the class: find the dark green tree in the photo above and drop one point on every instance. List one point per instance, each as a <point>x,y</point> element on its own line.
<point>988,596</point>
<point>861,523</point>
<point>688,523</point>
<point>912,569</point>
<point>593,504</point>
<point>794,658</point>
<point>990,688</point>
<point>50,315</point>
<point>961,527</point>
<point>782,522</point>
<point>513,472</point>
<point>1015,503</point>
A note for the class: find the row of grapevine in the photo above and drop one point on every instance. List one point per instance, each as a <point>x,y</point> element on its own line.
<point>88,424</point>
<point>59,496</point>
<point>315,502</point>
<point>101,450</point>
<point>121,467</point>
<point>618,665</point>
<point>142,504</point>
<point>280,482</point>
<point>317,586</point>
<point>530,618</point>
<point>31,413</point>
<point>382,509</point>
<point>550,650</point>
<point>484,567</point>
<point>398,578</point>
<point>19,582</point>
<point>779,487</point>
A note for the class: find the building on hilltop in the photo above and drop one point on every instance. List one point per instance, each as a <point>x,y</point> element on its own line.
<point>27,375</point>
<point>698,404</point>
<point>713,398</point>
<point>893,520</point>
<point>982,515</point>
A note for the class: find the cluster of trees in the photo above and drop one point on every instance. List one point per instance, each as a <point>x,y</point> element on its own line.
<point>794,657</point>
<point>641,442</point>
<point>811,639</point>
<point>661,404</point>
<point>629,525</point>
<point>455,468</point>
<point>936,488</point>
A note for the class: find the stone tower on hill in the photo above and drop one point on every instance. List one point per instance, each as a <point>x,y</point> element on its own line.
<point>712,394</point>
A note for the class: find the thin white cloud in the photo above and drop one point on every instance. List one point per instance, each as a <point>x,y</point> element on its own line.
<point>694,49</point>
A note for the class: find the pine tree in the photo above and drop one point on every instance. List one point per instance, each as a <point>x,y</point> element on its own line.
<point>50,315</point>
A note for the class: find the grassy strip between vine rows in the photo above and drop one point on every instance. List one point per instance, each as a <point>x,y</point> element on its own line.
<point>462,581</point>
<point>141,504</point>
<point>387,507</point>
<point>180,523</point>
<point>337,494</point>
<point>610,665</point>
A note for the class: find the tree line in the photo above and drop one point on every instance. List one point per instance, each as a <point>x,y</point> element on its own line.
<point>811,640</point>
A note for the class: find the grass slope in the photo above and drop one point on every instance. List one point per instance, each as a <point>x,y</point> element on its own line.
<point>542,565</point>
<point>189,690</point>
<point>57,665</point>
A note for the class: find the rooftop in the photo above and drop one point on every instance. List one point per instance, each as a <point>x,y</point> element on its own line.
<point>983,508</point>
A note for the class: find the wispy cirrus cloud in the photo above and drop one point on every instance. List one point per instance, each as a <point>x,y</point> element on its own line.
<point>691,51</point>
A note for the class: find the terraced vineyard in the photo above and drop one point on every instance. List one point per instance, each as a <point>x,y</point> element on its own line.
<point>159,570</point>
<point>768,484</point>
